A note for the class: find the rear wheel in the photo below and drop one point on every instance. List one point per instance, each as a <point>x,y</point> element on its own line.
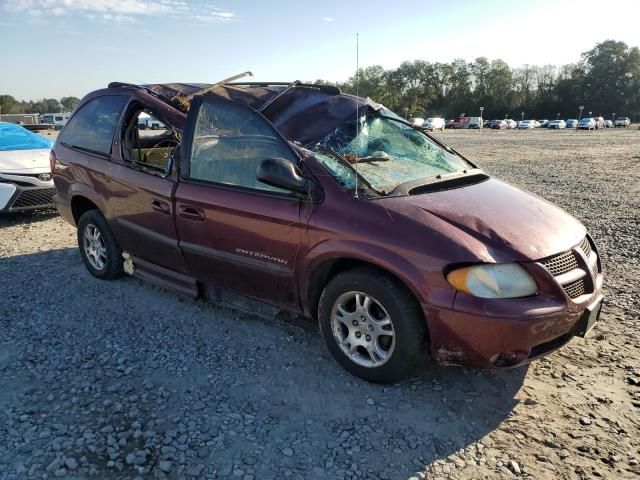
<point>98,247</point>
<point>372,325</point>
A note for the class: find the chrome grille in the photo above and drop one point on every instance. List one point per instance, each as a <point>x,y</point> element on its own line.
<point>571,261</point>
<point>575,289</point>
<point>37,197</point>
<point>559,264</point>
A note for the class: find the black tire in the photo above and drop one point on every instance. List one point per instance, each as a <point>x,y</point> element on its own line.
<point>112,267</point>
<point>407,320</point>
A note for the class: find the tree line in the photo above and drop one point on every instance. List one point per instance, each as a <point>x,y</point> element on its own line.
<point>9,104</point>
<point>605,81</point>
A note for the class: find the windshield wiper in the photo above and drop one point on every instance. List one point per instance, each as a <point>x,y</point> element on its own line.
<point>332,153</point>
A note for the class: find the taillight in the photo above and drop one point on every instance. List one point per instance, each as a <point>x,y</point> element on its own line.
<point>52,161</point>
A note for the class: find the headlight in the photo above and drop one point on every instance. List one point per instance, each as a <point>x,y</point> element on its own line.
<point>493,280</point>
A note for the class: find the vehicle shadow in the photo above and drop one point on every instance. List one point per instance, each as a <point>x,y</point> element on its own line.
<point>29,216</point>
<point>248,393</point>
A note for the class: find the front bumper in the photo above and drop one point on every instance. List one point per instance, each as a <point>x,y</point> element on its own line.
<point>481,341</point>
<point>488,333</point>
<point>19,192</point>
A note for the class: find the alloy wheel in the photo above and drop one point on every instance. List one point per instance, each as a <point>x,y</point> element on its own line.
<point>94,247</point>
<point>363,329</point>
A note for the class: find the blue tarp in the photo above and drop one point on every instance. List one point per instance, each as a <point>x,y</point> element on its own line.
<point>15,137</point>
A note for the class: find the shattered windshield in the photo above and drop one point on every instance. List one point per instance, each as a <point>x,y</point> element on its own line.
<point>388,152</point>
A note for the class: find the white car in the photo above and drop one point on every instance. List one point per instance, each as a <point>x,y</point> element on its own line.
<point>572,123</point>
<point>527,124</point>
<point>25,173</point>
<point>622,122</point>
<point>557,124</point>
<point>511,123</point>
<point>587,123</point>
<point>417,122</point>
<point>433,124</point>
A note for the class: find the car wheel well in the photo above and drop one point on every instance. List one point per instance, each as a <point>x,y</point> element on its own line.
<point>79,205</point>
<point>330,268</point>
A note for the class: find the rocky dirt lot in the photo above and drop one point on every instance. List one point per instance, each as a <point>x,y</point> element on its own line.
<point>123,380</point>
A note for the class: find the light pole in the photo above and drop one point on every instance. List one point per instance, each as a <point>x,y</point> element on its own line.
<point>481,121</point>
<point>613,116</point>
<point>522,116</point>
<point>581,107</point>
<point>558,116</point>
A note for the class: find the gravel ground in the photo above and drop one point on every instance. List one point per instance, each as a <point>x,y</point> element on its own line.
<point>123,380</point>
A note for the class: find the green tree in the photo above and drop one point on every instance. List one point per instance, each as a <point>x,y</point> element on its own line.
<point>69,103</point>
<point>8,104</point>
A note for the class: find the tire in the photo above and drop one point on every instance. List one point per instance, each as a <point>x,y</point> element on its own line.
<point>396,348</point>
<point>99,250</point>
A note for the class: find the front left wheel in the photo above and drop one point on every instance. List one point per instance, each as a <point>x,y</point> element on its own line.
<point>372,325</point>
<point>100,251</point>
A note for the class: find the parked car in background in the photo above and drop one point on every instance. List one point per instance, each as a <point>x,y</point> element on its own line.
<point>543,123</point>
<point>511,123</point>
<point>58,120</point>
<point>25,173</point>
<point>499,125</point>
<point>431,254</point>
<point>491,123</point>
<point>587,123</point>
<point>622,122</point>
<point>599,122</point>
<point>557,124</point>
<point>417,122</point>
<point>451,123</point>
<point>432,124</point>
<point>608,123</point>
<point>527,124</point>
<point>474,122</point>
<point>571,123</point>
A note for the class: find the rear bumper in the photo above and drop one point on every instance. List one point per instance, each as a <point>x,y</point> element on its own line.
<point>64,209</point>
<point>482,340</point>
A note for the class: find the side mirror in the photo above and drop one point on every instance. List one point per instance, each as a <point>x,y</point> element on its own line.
<point>282,173</point>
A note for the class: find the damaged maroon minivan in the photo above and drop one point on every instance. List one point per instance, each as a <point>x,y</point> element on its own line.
<point>331,206</point>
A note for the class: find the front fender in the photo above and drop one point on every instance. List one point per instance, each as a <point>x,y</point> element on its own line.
<point>396,264</point>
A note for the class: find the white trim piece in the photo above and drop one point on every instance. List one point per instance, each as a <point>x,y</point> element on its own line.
<point>6,192</point>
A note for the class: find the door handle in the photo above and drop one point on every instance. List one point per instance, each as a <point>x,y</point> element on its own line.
<point>160,206</point>
<point>191,213</point>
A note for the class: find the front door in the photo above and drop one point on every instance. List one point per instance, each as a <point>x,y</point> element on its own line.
<point>236,232</point>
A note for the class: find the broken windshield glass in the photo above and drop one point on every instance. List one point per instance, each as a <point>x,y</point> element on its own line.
<point>388,152</point>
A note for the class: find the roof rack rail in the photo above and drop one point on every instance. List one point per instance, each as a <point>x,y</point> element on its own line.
<point>326,88</point>
<point>126,85</point>
<point>144,88</point>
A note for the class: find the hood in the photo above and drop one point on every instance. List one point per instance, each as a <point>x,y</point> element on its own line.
<point>25,161</point>
<point>495,221</point>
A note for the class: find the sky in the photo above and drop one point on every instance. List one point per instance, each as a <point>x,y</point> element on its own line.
<point>55,48</point>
